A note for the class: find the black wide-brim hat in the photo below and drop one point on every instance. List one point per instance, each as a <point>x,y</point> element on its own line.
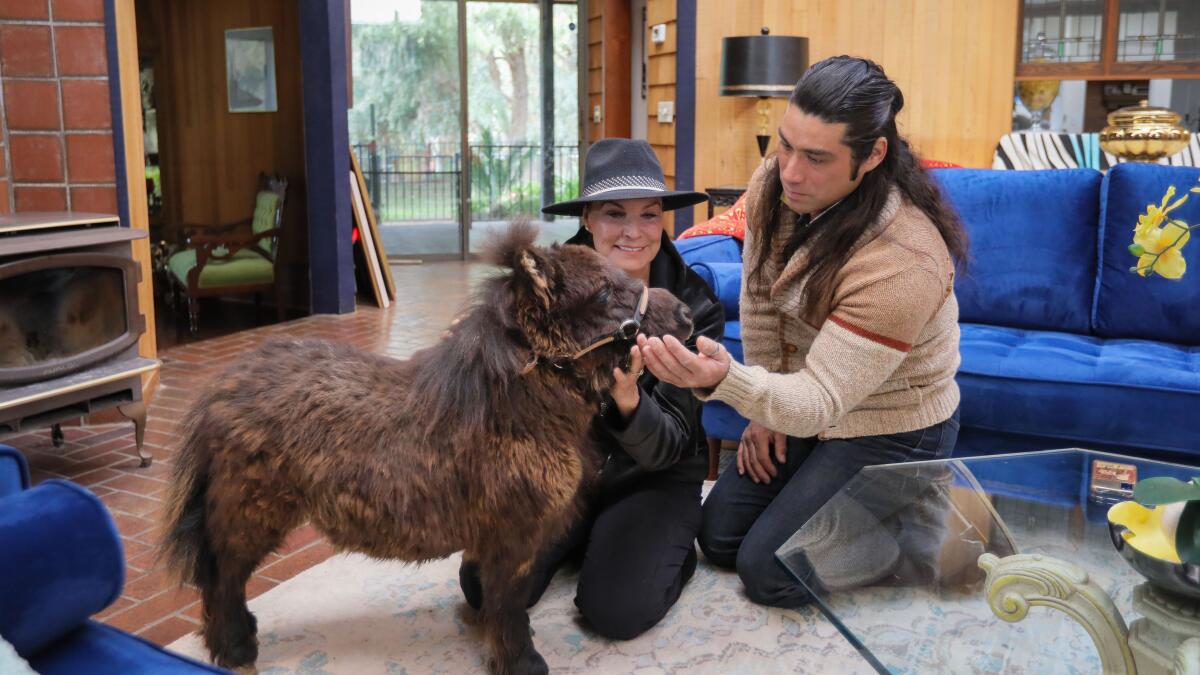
<point>623,168</point>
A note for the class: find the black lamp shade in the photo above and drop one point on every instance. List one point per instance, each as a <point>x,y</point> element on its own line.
<point>762,65</point>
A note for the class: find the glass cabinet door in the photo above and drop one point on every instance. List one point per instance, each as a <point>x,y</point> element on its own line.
<point>1158,30</point>
<point>1072,29</point>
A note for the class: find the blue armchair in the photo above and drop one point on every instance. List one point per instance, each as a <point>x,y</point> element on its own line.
<point>61,561</point>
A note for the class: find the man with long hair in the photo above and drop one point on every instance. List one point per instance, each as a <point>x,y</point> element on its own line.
<point>849,324</point>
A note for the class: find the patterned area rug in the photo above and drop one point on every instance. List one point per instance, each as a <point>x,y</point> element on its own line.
<point>352,614</point>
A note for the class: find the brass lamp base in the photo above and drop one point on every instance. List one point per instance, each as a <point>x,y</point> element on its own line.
<point>763,140</point>
<point>764,118</point>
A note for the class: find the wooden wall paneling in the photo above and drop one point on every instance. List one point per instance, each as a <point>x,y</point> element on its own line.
<point>135,174</point>
<point>666,156</point>
<point>659,11</point>
<point>595,53</point>
<point>210,157</point>
<point>730,156</point>
<point>595,64</point>
<point>952,60</point>
<point>655,94</point>
<point>595,128</point>
<point>662,135</point>
<point>667,47</point>
<point>616,54</point>
<point>660,68</point>
<point>661,65</point>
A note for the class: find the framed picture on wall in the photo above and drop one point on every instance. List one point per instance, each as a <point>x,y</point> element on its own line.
<point>250,69</point>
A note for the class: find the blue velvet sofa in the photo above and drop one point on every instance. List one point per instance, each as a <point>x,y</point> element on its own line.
<point>1062,346</point>
<point>61,561</point>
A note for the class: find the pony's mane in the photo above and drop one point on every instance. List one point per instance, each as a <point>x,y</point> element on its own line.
<point>474,383</point>
<point>475,371</point>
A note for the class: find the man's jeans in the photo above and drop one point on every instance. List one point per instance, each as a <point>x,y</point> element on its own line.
<point>745,522</point>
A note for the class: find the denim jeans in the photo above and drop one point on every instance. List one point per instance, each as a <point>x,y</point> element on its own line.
<point>745,523</point>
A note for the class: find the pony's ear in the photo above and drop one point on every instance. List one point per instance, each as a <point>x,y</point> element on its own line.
<point>533,273</point>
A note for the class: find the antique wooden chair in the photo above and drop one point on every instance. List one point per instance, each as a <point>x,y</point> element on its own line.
<point>238,257</point>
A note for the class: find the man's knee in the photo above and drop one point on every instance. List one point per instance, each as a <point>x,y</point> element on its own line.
<point>766,581</point>
<point>718,542</point>
<point>619,615</point>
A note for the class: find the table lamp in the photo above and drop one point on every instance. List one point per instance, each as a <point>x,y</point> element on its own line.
<point>764,66</point>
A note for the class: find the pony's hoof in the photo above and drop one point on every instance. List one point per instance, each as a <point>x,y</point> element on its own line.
<point>530,662</point>
<point>238,656</point>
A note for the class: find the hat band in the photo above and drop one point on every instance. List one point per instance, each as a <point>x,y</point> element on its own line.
<point>624,183</point>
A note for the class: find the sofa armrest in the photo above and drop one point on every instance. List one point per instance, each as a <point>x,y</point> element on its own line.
<point>62,560</point>
<point>710,248</point>
<point>14,472</point>
<point>97,648</point>
<point>725,280</point>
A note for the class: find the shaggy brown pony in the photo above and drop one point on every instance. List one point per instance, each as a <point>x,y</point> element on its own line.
<point>475,444</point>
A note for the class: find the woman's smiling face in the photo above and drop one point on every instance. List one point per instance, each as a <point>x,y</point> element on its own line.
<point>627,232</point>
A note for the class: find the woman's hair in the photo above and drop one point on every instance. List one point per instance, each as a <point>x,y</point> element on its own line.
<point>587,207</point>
<point>856,92</point>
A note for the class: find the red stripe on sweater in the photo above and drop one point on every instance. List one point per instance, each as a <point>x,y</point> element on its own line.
<point>873,337</point>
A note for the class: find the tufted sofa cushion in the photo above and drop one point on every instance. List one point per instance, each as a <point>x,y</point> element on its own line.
<point>1079,388</point>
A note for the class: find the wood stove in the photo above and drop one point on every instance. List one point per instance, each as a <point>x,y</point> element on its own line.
<point>69,322</point>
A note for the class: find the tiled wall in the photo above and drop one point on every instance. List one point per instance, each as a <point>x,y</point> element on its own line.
<point>56,150</point>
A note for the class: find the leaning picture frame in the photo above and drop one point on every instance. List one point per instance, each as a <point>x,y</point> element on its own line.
<point>250,69</point>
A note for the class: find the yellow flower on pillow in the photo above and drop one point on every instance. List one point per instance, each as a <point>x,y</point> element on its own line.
<point>1161,249</point>
<point>1155,215</point>
<point>1158,240</point>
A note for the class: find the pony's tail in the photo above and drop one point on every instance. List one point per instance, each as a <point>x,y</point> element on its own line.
<point>185,546</point>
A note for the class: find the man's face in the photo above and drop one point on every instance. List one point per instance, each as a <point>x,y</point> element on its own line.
<point>814,165</point>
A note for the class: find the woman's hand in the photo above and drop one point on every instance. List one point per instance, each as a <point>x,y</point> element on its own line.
<point>625,392</point>
<point>754,452</point>
<point>671,362</point>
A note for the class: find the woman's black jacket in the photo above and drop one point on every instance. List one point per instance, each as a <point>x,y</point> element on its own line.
<point>663,439</point>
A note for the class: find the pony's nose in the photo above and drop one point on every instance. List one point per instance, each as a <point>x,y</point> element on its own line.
<point>683,315</point>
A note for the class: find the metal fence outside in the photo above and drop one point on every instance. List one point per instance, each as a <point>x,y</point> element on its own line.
<point>423,183</point>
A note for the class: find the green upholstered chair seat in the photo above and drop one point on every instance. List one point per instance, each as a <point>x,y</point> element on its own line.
<point>246,267</point>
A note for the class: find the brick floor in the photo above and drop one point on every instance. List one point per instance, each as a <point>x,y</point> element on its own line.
<point>102,457</point>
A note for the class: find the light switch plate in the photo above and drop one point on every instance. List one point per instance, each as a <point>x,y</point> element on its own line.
<point>666,112</point>
<point>658,33</point>
<point>596,114</point>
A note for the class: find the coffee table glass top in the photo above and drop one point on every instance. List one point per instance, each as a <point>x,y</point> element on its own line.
<point>892,559</point>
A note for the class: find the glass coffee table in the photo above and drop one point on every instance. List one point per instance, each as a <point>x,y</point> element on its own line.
<point>893,560</point>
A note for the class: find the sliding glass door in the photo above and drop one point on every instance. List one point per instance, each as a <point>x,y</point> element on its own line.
<point>518,162</point>
<point>444,171</point>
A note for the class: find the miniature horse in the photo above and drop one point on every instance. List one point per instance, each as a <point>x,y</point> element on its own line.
<point>475,444</point>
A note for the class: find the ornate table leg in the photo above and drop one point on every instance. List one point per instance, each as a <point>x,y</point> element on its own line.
<point>1187,657</point>
<point>136,411</point>
<point>1167,637</point>
<point>1017,582</point>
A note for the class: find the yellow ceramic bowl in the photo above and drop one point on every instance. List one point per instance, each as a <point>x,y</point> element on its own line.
<point>1150,531</point>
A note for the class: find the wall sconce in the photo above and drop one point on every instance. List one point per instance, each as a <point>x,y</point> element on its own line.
<point>764,66</point>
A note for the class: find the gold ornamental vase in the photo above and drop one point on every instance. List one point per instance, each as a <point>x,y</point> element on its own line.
<point>1144,133</point>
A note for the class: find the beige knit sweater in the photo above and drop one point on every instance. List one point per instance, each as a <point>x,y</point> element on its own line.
<point>880,359</point>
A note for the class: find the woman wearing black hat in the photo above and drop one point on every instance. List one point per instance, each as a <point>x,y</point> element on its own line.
<point>636,540</point>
